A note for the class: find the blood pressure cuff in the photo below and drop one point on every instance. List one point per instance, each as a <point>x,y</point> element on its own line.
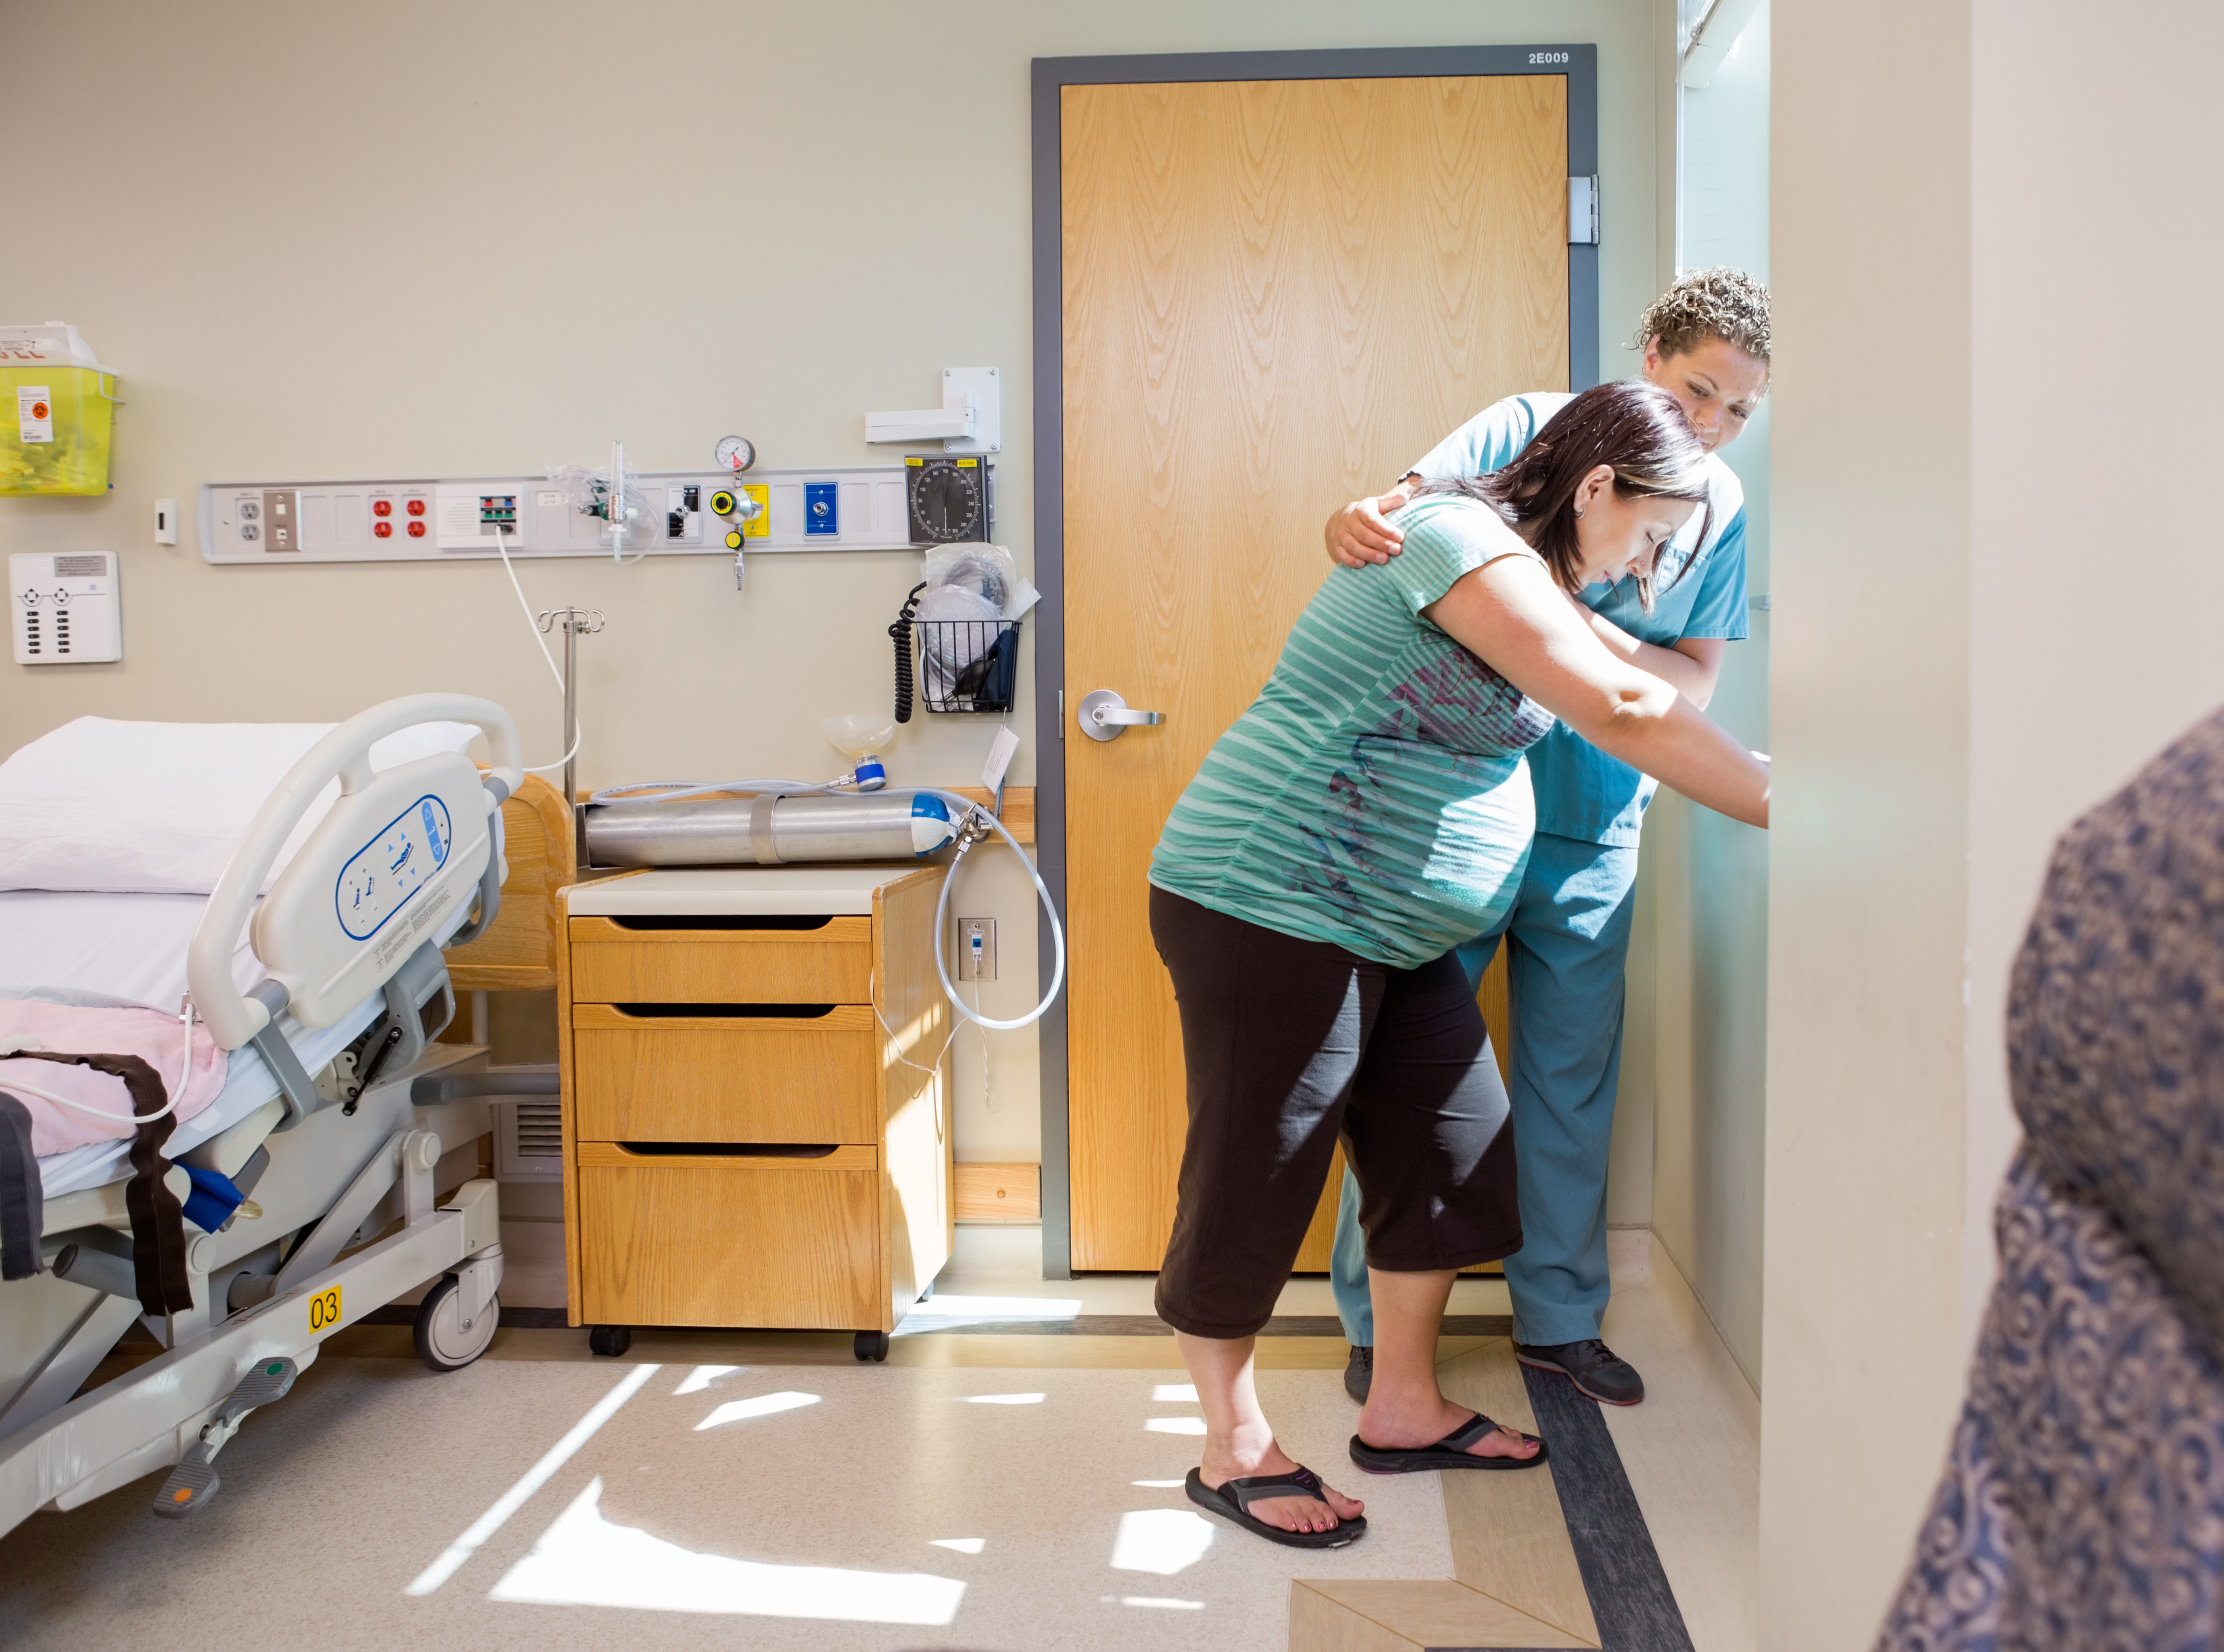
<point>22,1200</point>
<point>158,1229</point>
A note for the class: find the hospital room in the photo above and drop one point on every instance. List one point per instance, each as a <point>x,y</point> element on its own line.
<point>649,647</point>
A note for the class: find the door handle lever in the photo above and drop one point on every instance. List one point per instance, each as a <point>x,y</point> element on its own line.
<point>1102,715</point>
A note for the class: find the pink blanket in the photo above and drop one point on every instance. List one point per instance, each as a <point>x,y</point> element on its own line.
<point>155,1037</point>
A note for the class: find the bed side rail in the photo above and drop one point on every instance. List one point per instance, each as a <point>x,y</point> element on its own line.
<point>304,934</point>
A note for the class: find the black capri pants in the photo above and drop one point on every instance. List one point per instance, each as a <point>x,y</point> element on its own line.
<point>1287,1043</point>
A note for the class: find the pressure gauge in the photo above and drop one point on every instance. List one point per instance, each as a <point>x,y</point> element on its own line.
<point>949,499</point>
<point>737,453</point>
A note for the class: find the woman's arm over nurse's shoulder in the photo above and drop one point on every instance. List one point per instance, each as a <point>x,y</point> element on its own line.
<point>1583,522</point>
<point>1514,616</point>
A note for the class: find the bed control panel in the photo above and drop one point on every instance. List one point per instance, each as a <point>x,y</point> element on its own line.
<point>380,877</point>
<point>65,608</point>
<point>375,877</point>
<point>842,508</point>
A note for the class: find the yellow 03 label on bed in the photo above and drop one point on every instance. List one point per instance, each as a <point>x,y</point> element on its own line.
<point>324,1311</point>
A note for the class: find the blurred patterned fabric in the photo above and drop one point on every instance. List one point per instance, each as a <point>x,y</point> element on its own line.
<point>2082,1504</point>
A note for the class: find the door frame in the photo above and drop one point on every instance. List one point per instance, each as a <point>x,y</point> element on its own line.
<point>1051,75</point>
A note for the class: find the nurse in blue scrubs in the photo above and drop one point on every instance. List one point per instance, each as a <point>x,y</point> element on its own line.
<point>1707,343</point>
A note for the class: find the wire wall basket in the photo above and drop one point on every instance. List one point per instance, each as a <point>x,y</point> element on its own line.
<point>967,665</point>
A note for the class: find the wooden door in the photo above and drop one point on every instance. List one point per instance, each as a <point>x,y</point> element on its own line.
<point>1276,295</point>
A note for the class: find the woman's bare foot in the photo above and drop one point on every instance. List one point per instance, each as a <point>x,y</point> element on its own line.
<point>1254,1452</point>
<point>1396,1422</point>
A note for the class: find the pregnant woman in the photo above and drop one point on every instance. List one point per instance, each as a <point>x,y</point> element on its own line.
<point>1370,811</point>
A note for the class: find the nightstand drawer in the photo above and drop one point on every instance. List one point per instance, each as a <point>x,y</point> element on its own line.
<point>641,961</point>
<point>732,1241</point>
<point>756,1078</point>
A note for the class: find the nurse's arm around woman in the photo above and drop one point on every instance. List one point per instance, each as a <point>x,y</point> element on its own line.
<point>1371,810</point>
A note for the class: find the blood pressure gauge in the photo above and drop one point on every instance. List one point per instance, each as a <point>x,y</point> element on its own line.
<point>737,453</point>
<point>949,499</point>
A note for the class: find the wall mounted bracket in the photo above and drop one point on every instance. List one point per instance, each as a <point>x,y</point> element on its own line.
<point>969,420</point>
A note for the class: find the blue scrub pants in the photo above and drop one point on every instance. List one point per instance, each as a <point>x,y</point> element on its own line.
<point>1569,931</point>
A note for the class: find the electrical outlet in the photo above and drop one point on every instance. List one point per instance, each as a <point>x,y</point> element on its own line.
<point>977,949</point>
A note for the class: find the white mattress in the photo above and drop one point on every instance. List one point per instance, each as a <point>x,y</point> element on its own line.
<point>133,948</point>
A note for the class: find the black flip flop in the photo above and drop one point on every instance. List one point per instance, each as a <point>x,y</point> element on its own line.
<point>1232,1499</point>
<point>1450,1452</point>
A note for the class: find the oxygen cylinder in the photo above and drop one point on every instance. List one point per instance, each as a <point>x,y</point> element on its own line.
<point>767,829</point>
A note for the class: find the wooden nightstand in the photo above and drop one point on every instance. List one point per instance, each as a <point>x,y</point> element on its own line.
<point>744,1144</point>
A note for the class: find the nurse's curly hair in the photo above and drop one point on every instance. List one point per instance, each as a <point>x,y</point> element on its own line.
<point>1637,428</point>
<point>1719,303</point>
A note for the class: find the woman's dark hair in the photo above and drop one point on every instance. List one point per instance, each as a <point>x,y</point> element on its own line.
<point>1637,428</point>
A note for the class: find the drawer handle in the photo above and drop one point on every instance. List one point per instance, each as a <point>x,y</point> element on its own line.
<point>730,1150</point>
<point>728,1011</point>
<point>752,921</point>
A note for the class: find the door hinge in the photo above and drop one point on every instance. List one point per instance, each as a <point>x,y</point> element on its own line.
<point>1583,211</point>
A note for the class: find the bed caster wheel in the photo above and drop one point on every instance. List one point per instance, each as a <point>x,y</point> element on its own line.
<point>872,1345</point>
<point>443,1342</point>
<point>611,1340</point>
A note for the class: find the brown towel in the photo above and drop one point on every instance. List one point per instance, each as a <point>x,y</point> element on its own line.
<point>158,1229</point>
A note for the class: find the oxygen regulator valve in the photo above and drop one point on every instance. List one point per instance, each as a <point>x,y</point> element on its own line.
<point>974,829</point>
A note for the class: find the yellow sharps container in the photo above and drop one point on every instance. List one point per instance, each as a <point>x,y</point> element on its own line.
<point>58,412</point>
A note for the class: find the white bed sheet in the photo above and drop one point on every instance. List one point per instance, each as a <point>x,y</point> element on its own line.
<point>133,947</point>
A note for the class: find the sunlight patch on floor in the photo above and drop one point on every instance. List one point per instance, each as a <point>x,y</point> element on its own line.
<point>702,1377</point>
<point>945,1313</point>
<point>1164,1541</point>
<point>586,1561</point>
<point>763,1405</point>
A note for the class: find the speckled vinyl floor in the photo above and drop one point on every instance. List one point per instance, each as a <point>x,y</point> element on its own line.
<point>785,1506</point>
<point>981,1490</point>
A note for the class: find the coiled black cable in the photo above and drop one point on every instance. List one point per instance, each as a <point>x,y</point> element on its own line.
<point>901,631</point>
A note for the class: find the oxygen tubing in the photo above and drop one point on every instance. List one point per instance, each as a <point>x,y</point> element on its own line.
<point>941,909</point>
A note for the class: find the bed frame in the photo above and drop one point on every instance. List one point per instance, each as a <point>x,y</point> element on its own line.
<point>518,955</point>
<point>356,1189</point>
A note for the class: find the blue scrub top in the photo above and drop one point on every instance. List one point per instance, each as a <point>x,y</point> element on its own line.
<point>1698,592</point>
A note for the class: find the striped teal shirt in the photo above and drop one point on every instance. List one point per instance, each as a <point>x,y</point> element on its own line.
<point>1375,795</point>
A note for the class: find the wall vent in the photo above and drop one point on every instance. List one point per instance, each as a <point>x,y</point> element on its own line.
<point>529,1139</point>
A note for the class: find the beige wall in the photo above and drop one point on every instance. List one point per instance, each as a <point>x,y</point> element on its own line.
<point>1996,597</point>
<point>1869,853</point>
<point>378,241</point>
<point>2095,638</point>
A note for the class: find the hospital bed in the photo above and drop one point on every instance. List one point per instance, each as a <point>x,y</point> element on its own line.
<point>337,1109</point>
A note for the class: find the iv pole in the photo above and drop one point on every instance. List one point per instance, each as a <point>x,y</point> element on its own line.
<point>577,622</point>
